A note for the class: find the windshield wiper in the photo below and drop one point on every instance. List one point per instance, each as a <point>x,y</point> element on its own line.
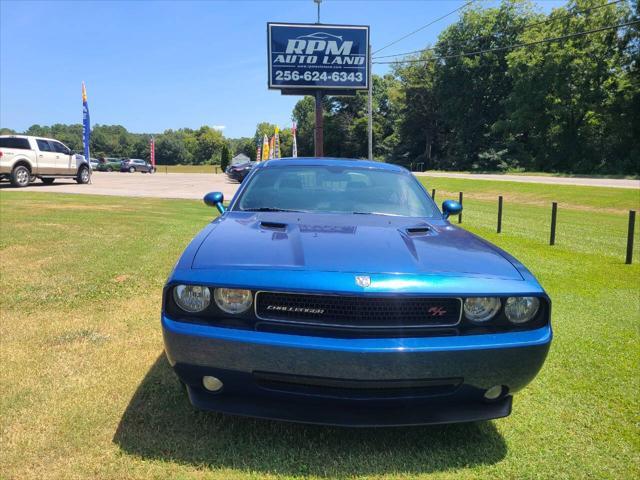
<point>376,213</point>
<point>270,209</point>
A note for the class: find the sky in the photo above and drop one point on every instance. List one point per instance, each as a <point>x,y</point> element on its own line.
<point>157,65</point>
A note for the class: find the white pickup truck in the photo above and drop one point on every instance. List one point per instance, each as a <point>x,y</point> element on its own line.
<point>23,158</point>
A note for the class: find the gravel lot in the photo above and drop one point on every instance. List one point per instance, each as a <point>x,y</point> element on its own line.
<point>196,185</point>
<point>159,185</point>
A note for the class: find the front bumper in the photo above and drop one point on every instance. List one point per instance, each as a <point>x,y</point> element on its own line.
<point>353,381</point>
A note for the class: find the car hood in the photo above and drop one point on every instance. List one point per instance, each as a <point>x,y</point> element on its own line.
<point>348,243</point>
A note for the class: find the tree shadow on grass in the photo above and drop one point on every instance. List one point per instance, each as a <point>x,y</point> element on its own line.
<point>160,423</point>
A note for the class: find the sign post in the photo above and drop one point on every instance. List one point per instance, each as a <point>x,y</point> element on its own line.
<point>316,59</point>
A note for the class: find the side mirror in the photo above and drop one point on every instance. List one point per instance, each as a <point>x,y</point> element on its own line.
<point>451,207</point>
<point>214,199</point>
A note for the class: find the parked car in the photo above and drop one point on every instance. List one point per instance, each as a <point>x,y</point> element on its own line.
<point>132,165</point>
<point>94,163</point>
<point>23,158</point>
<point>240,171</point>
<point>108,164</point>
<point>336,292</point>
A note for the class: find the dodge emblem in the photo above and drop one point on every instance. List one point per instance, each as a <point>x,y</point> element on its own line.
<point>363,280</point>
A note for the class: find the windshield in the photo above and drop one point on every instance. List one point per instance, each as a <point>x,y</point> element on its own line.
<point>335,189</point>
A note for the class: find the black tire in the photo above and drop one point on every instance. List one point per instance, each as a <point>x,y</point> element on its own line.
<point>132,169</point>
<point>152,170</point>
<point>20,176</point>
<point>48,181</point>
<point>109,169</point>
<point>84,175</point>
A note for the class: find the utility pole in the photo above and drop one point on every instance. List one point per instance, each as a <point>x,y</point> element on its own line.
<point>319,130</point>
<point>370,122</point>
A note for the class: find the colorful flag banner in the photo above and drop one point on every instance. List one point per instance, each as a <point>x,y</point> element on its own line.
<point>152,151</point>
<point>276,142</point>
<point>265,148</point>
<point>86,125</point>
<point>258,153</point>
<point>294,148</point>
<point>272,147</point>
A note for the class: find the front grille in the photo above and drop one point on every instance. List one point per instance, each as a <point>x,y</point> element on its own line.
<point>358,312</point>
<point>354,389</point>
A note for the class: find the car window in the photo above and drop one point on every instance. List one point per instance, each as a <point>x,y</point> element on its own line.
<point>18,143</point>
<point>336,189</point>
<point>60,148</point>
<point>43,145</point>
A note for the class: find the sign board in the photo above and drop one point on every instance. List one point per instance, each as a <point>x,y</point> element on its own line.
<point>318,57</point>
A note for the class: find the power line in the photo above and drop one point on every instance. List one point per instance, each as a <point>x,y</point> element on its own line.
<point>424,26</point>
<point>525,26</point>
<point>511,47</point>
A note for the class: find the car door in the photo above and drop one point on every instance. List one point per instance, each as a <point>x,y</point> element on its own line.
<point>65,161</point>
<point>141,166</point>
<point>46,157</point>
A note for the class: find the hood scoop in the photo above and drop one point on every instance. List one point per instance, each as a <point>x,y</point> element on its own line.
<point>275,226</point>
<point>418,231</point>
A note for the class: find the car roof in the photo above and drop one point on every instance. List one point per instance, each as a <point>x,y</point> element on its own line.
<point>39,137</point>
<point>341,162</point>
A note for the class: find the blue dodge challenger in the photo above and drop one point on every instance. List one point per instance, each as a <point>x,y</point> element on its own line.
<point>336,292</point>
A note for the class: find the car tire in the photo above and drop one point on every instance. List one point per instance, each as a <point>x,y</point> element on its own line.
<point>109,169</point>
<point>152,170</point>
<point>84,175</point>
<point>132,169</point>
<point>48,181</point>
<point>20,176</point>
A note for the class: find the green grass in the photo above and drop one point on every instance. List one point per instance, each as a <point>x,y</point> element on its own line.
<point>86,392</point>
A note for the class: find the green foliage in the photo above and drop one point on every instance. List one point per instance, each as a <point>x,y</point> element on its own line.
<point>225,157</point>
<point>567,106</point>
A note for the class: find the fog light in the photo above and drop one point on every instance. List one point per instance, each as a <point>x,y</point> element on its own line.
<point>211,383</point>
<point>494,392</point>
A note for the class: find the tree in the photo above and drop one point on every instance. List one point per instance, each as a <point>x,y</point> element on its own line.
<point>572,101</point>
<point>209,146</point>
<point>304,116</point>
<point>225,157</point>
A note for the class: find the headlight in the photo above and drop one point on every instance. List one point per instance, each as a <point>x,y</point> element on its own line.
<point>521,309</point>
<point>192,298</point>
<point>233,300</point>
<point>481,309</point>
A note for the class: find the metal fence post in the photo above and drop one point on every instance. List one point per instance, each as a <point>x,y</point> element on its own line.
<point>630,232</point>
<point>499,214</point>
<point>433,193</point>
<point>554,216</point>
<point>460,201</point>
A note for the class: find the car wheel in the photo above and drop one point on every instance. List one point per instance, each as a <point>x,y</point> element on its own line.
<point>83,175</point>
<point>48,181</point>
<point>20,176</point>
<point>132,169</point>
<point>152,170</point>
<point>109,169</point>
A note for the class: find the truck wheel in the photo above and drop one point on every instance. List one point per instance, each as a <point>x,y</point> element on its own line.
<point>20,176</point>
<point>83,175</point>
<point>48,181</point>
<point>132,169</point>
